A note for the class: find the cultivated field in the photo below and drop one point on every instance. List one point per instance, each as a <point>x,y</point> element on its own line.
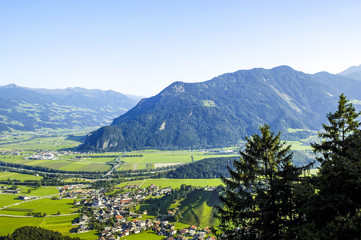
<point>152,159</point>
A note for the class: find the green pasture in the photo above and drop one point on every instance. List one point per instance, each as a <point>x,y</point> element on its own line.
<point>68,164</point>
<point>44,205</point>
<point>84,166</point>
<point>18,176</point>
<point>9,224</point>
<point>148,235</point>
<point>14,159</point>
<point>198,208</point>
<point>62,224</point>
<point>174,183</point>
<point>91,235</point>
<point>8,199</point>
<point>156,158</point>
<point>39,192</point>
<point>180,225</point>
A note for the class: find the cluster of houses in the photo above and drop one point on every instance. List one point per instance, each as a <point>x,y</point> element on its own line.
<point>43,156</point>
<point>51,155</point>
<point>118,216</point>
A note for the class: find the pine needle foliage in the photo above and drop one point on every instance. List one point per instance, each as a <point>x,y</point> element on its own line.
<point>336,135</point>
<point>258,200</point>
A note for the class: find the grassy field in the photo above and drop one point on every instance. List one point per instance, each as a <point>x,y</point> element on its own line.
<point>198,208</point>
<point>39,192</point>
<point>9,224</point>
<point>62,224</point>
<point>18,176</point>
<point>154,159</point>
<point>7,199</point>
<point>44,205</point>
<point>148,235</point>
<point>174,183</point>
<point>91,235</point>
<point>68,163</point>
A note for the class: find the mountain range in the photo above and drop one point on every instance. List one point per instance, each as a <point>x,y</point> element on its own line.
<point>221,111</point>
<point>29,109</point>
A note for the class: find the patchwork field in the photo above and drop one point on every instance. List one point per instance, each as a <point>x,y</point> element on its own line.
<point>151,159</point>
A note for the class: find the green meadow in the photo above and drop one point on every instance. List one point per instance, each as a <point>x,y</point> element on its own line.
<point>68,163</point>
<point>148,235</point>
<point>156,158</point>
<point>198,208</point>
<point>62,224</point>
<point>8,199</point>
<point>44,205</point>
<point>91,235</point>
<point>9,224</point>
<point>18,176</point>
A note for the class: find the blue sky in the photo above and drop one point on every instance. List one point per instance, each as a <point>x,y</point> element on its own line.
<point>140,47</point>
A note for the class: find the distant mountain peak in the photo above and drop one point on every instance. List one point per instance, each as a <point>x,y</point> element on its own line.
<point>351,69</point>
<point>353,72</point>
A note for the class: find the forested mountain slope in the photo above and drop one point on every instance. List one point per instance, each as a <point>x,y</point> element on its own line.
<point>221,111</point>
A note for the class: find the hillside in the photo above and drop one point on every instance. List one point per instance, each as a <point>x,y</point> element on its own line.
<point>29,109</point>
<point>221,111</point>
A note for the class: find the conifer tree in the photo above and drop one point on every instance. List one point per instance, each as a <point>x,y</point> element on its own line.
<point>258,201</point>
<point>335,137</point>
<point>337,204</point>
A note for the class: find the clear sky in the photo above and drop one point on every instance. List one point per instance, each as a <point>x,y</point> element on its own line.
<point>141,46</point>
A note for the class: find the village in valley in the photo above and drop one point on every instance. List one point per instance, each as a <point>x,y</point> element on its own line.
<point>115,216</point>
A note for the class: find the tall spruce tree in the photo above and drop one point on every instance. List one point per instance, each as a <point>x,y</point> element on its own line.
<point>258,201</point>
<point>336,136</point>
<point>335,207</point>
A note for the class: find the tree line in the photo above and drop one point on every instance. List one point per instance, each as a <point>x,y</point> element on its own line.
<point>267,197</point>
